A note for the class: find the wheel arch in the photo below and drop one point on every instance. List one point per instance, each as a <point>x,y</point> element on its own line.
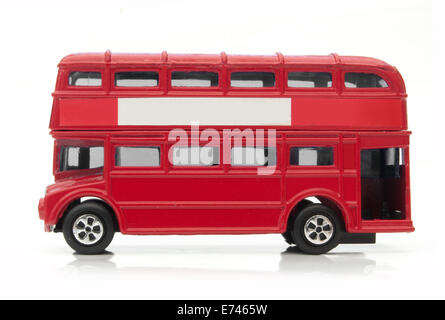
<point>326,197</point>
<point>72,199</point>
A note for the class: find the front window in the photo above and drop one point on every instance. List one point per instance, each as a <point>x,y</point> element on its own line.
<point>81,158</point>
<point>85,79</point>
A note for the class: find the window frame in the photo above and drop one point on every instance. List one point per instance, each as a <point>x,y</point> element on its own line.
<point>332,88</point>
<point>92,88</point>
<point>369,71</point>
<point>276,73</point>
<point>219,165</point>
<point>310,144</point>
<point>175,168</point>
<point>244,166</point>
<point>138,144</point>
<point>216,70</point>
<point>142,69</point>
<point>76,142</point>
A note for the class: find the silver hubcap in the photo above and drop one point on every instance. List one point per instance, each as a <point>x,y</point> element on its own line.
<point>318,230</point>
<point>88,229</point>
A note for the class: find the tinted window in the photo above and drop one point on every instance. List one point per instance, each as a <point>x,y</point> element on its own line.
<point>195,156</point>
<point>77,158</point>
<point>194,79</point>
<point>381,163</point>
<point>309,79</point>
<point>311,156</point>
<point>136,79</point>
<point>137,156</point>
<point>252,79</point>
<point>364,80</point>
<point>88,79</point>
<point>251,156</point>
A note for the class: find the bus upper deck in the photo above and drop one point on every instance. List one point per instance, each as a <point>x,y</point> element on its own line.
<point>141,91</point>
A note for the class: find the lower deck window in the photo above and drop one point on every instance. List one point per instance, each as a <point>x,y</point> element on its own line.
<point>77,158</point>
<point>251,156</point>
<point>311,156</point>
<point>195,156</point>
<point>138,156</point>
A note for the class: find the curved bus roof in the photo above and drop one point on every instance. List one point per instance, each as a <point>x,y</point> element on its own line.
<point>218,59</point>
<point>334,106</point>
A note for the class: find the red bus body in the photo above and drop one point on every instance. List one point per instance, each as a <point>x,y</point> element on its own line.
<point>224,199</point>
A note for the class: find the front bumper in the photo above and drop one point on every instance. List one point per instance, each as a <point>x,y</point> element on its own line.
<point>42,211</point>
<point>42,208</point>
<point>48,228</point>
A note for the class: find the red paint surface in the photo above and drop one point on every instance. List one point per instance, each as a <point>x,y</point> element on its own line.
<point>79,112</point>
<point>312,108</point>
<point>348,113</point>
<point>225,199</point>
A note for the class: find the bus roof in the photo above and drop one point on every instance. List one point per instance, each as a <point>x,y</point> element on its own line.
<point>217,59</point>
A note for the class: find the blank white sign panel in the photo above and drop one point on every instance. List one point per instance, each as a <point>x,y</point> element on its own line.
<point>206,111</point>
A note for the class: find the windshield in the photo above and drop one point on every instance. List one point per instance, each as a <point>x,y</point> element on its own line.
<point>79,158</point>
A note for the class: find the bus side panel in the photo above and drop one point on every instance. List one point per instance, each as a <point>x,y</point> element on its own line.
<point>84,112</point>
<point>200,220</point>
<point>348,113</point>
<point>201,202</point>
<point>351,180</point>
<point>299,183</point>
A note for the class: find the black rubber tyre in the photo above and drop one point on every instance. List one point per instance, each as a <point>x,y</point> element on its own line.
<point>288,237</point>
<point>104,219</point>
<point>325,214</point>
<point>288,234</point>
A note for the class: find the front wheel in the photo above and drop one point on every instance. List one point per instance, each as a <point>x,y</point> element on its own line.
<point>317,229</point>
<point>88,228</point>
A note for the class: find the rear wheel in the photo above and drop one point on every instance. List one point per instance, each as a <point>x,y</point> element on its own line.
<point>288,234</point>
<point>317,229</point>
<point>88,228</point>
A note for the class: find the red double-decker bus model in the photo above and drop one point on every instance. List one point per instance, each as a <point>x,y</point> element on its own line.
<point>313,147</point>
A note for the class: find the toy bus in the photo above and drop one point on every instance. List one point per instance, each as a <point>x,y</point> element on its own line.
<point>315,148</point>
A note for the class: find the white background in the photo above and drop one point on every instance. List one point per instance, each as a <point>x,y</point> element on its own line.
<point>35,35</point>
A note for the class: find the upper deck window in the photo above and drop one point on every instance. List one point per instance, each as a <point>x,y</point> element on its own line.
<point>86,79</point>
<point>136,79</point>
<point>194,79</point>
<point>252,79</point>
<point>364,80</point>
<point>309,80</point>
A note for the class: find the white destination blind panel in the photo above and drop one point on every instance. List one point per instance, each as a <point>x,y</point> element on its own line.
<point>207,111</point>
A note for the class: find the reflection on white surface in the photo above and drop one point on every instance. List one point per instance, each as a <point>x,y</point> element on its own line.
<point>220,267</point>
<point>194,259</point>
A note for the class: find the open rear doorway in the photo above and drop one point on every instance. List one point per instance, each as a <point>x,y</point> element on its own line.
<point>383,184</point>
